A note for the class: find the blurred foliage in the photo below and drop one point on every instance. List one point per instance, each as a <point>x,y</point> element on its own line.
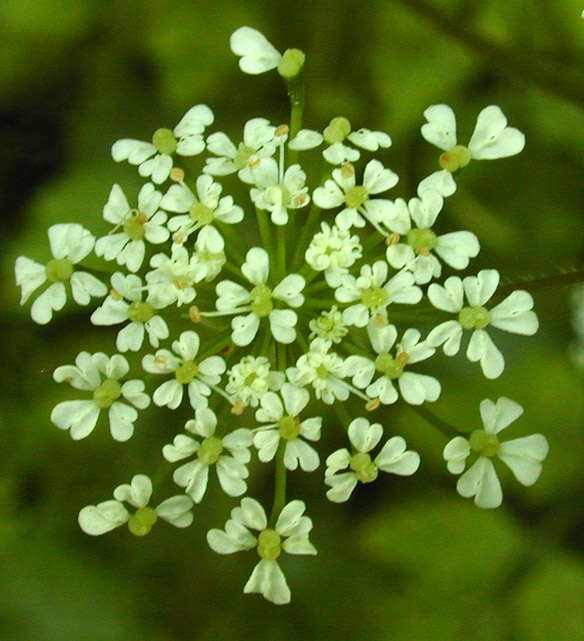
<point>407,559</point>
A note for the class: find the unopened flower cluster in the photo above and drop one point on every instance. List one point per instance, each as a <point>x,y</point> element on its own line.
<point>251,296</point>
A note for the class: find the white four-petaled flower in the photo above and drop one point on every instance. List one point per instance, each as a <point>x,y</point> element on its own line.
<point>197,376</point>
<point>101,375</point>
<point>285,424</point>
<point>146,223</point>
<point>229,454</point>
<point>523,456</point>
<point>393,458</point>
<point>70,243</point>
<point>108,515</point>
<point>154,158</point>
<point>513,315</point>
<point>232,298</point>
<point>290,533</point>
<point>492,138</point>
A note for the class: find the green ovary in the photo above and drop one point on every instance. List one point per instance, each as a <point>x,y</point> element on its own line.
<point>356,196</point>
<point>134,226</point>
<point>422,240</point>
<point>140,312</point>
<point>291,63</point>
<point>210,450</point>
<point>142,521</point>
<point>456,158</point>
<point>261,301</point>
<point>186,372</point>
<point>242,156</point>
<point>59,269</point>
<point>269,544</point>
<point>164,140</point>
<point>374,297</point>
<point>338,129</point>
<point>364,467</point>
<point>484,443</point>
<point>289,427</point>
<point>474,317</point>
<point>201,214</point>
<point>389,366</point>
<point>107,393</point>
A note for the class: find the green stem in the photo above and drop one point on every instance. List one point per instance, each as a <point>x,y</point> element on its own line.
<point>448,430</point>
<point>281,234</point>
<point>266,235</point>
<point>343,415</point>
<point>280,467</point>
<point>216,347</point>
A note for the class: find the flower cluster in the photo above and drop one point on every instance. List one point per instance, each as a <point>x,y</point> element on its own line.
<point>253,322</point>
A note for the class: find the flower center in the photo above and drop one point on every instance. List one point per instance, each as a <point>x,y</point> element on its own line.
<point>140,312</point>
<point>261,301</point>
<point>364,467</point>
<point>59,269</point>
<point>374,297</point>
<point>269,547</point>
<point>164,140</point>
<point>391,367</point>
<point>108,392</point>
<point>338,129</point>
<point>422,241</point>
<point>455,158</point>
<point>134,226</point>
<point>201,214</point>
<point>322,371</point>
<point>474,317</point>
<point>244,153</point>
<point>142,521</point>
<point>356,196</point>
<point>289,427</point>
<point>210,450</point>
<point>484,443</point>
<point>186,372</point>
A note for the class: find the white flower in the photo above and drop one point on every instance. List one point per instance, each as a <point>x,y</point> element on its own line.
<point>232,298</point>
<point>197,376</point>
<point>172,279</point>
<point>141,314</point>
<point>127,247</point>
<point>337,131</point>
<point>522,455</point>
<point>289,534</point>
<point>329,325</point>
<point>393,458</point>
<point>491,137</point>
<point>101,375</point>
<point>250,379</point>
<point>259,142</point>
<point>229,454</point>
<point>287,426</point>
<point>513,315</point>
<point>277,192</point>
<point>416,254</point>
<point>155,158</point>
<point>104,517</point>
<point>257,54</point>
<point>414,388</point>
<point>322,369</point>
<point>203,209</point>
<point>374,294</point>
<point>343,192</point>
<point>333,251</point>
<point>70,243</point>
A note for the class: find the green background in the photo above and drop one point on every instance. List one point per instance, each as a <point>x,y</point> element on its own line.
<point>405,559</point>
